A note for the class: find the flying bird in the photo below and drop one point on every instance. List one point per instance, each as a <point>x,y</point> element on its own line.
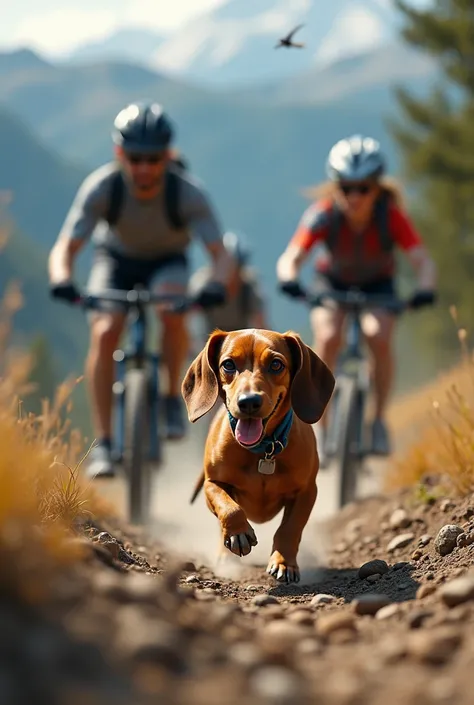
<point>287,41</point>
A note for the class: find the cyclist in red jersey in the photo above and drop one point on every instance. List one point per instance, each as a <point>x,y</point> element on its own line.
<point>356,225</point>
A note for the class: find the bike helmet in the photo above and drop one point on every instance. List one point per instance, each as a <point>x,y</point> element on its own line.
<point>354,159</point>
<point>237,248</point>
<point>142,127</point>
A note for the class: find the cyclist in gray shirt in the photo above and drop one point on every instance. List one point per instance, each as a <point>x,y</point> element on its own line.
<point>140,212</point>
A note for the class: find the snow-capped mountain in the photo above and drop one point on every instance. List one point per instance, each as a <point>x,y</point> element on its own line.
<point>235,43</point>
<point>134,44</point>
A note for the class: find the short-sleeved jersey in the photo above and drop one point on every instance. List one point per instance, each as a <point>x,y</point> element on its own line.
<point>142,229</point>
<point>354,257</point>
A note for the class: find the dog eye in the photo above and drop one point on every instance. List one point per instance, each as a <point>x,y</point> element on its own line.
<point>228,366</point>
<point>277,365</point>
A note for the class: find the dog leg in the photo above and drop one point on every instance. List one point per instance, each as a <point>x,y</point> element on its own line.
<point>237,534</point>
<point>283,565</point>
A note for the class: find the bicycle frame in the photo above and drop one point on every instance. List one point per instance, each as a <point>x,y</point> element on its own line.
<point>136,356</point>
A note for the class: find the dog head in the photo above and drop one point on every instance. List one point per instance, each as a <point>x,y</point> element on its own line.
<point>259,374</point>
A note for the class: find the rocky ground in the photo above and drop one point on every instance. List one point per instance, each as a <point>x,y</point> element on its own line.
<point>388,620</point>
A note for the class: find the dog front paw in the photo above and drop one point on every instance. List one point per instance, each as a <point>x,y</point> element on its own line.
<point>282,570</point>
<point>242,543</point>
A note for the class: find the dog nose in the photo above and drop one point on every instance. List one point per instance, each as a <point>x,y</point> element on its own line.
<point>249,403</point>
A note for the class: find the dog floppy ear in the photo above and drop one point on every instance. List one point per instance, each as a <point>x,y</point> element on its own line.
<point>313,382</point>
<point>200,387</point>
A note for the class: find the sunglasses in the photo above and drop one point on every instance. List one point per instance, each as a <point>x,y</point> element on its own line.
<point>145,158</point>
<point>361,189</point>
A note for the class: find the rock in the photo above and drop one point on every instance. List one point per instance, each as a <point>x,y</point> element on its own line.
<point>388,611</point>
<point>374,578</point>
<point>251,588</point>
<point>434,646</point>
<point>424,540</point>
<point>372,568</point>
<point>148,640</point>
<point>273,612</point>
<point>309,647</point>
<point>343,636</point>
<point>457,591</point>
<point>400,565</point>
<point>392,649</point>
<point>400,541</point>
<point>245,654</point>
<point>446,505</point>
<point>330,623</point>
<point>276,684</point>
<point>282,634</point>
<point>418,617</point>
<point>446,539</point>
<point>403,586</point>
<point>425,590</point>
<point>341,547</point>
<point>192,579</point>
<point>399,519</point>
<point>189,567</point>
<point>370,603</point>
<point>264,600</point>
<point>322,599</point>
<point>464,540</point>
<point>416,555</point>
<point>302,617</point>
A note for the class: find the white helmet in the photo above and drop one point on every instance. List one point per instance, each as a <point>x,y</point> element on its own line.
<point>354,159</point>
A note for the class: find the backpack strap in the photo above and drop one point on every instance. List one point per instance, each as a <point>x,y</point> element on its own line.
<point>116,198</point>
<point>172,199</point>
<point>382,219</point>
<point>172,193</point>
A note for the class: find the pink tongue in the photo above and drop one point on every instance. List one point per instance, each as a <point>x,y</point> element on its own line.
<point>248,431</point>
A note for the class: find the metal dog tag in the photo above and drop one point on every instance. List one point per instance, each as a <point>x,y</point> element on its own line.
<point>266,467</point>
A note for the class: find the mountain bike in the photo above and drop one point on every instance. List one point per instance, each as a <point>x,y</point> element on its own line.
<point>346,441</point>
<point>136,442</point>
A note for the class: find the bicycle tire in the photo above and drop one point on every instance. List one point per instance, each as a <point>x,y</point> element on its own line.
<point>136,461</point>
<point>345,437</point>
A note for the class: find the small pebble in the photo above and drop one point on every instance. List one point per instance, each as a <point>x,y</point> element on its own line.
<point>400,541</point>
<point>322,599</point>
<point>400,565</point>
<point>388,611</point>
<point>434,646</point>
<point>416,555</point>
<point>418,617</point>
<point>457,591</point>
<point>425,590</point>
<point>374,578</point>
<point>445,541</point>
<point>264,600</point>
<point>192,579</point>
<point>330,623</point>
<point>465,539</point>
<point>372,568</point>
<point>399,519</point>
<point>424,540</point>
<point>276,684</point>
<point>370,603</point>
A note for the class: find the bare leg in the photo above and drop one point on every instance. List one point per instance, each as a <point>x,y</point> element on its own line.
<point>378,329</point>
<point>105,332</point>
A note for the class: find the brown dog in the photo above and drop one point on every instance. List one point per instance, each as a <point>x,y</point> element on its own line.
<point>260,455</point>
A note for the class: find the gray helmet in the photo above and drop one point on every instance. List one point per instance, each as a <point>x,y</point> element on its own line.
<point>236,247</point>
<point>354,159</point>
<point>142,127</point>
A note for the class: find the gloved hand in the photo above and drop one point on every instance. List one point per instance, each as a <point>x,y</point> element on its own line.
<point>65,291</point>
<point>292,288</point>
<point>422,298</point>
<point>212,294</point>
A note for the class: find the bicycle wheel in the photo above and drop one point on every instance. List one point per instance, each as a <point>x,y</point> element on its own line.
<point>345,436</point>
<point>136,461</point>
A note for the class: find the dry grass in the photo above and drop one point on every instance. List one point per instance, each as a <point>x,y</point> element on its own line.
<point>439,424</point>
<point>42,496</point>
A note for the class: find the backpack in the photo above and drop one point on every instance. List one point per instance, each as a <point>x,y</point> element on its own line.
<point>381,217</point>
<point>172,186</point>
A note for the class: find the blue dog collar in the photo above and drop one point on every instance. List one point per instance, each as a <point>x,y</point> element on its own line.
<point>270,445</point>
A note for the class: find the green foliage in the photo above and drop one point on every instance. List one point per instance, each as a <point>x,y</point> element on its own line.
<point>436,137</point>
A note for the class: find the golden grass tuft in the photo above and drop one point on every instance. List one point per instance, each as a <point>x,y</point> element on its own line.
<point>42,496</point>
<point>441,422</point>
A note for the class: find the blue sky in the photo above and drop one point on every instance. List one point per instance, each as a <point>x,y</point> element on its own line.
<point>56,26</point>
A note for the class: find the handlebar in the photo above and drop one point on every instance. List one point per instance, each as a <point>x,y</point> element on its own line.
<point>355,300</point>
<point>176,303</point>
